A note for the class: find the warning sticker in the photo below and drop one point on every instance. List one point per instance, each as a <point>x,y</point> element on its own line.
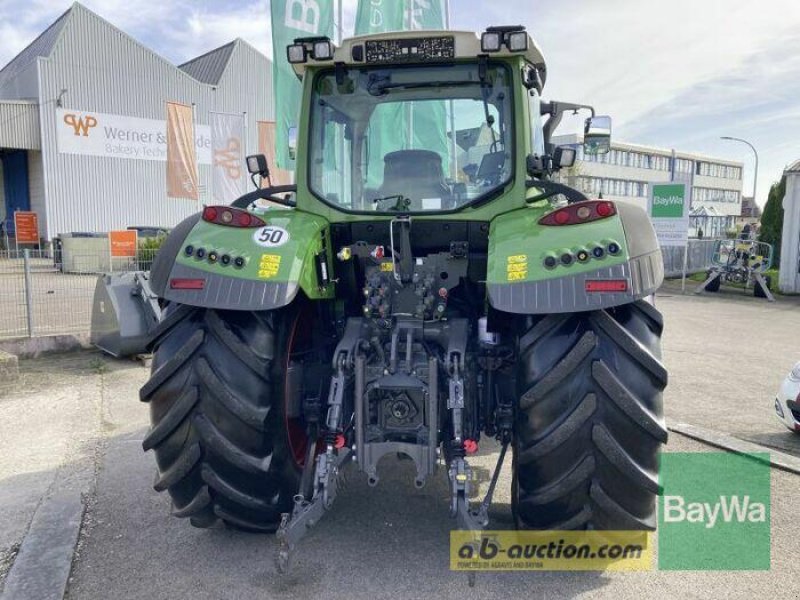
<point>517,267</point>
<point>269,266</point>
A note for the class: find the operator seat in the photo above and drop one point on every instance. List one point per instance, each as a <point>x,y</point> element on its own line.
<point>417,175</point>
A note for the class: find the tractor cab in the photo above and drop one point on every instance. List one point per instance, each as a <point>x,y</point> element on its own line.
<point>421,122</point>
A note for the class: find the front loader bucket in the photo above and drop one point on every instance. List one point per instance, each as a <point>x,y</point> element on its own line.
<point>124,313</point>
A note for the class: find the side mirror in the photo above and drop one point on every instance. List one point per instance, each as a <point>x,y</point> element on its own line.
<point>257,165</point>
<point>597,135</point>
<point>293,143</point>
<point>564,156</point>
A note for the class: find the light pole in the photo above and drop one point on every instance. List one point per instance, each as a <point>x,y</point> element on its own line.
<point>755,178</point>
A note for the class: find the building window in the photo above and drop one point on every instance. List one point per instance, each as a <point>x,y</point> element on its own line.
<point>717,170</point>
<point>712,195</point>
<point>683,165</point>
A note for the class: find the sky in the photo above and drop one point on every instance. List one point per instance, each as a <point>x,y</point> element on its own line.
<point>675,74</point>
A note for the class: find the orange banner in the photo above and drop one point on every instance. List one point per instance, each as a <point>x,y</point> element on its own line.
<point>123,243</point>
<point>182,177</point>
<point>26,226</point>
<point>266,146</point>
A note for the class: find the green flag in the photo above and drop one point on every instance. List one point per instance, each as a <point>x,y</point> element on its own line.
<point>418,125</point>
<point>425,14</point>
<point>292,19</point>
<point>388,125</point>
<point>429,119</point>
<point>379,16</point>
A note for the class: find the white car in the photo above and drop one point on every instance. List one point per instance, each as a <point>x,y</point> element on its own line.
<point>787,402</point>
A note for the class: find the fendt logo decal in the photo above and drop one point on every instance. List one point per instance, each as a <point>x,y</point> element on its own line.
<point>81,125</point>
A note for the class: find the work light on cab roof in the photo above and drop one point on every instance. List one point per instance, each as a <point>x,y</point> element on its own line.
<point>417,47</point>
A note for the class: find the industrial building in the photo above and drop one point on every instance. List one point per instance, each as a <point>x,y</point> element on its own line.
<point>628,170</point>
<point>83,80</point>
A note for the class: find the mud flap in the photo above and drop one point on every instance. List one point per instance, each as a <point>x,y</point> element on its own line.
<point>125,313</point>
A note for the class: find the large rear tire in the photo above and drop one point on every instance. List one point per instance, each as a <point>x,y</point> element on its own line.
<point>590,423</point>
<point>217,409</point>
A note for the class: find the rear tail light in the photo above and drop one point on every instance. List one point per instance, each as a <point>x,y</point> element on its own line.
<point>581,212</point>
<point>231,217</point>
<point>607,285</point>
<point>187,284</point>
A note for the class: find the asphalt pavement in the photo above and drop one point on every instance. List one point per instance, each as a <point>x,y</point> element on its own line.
<point>727,353</point>
<point>75,424</point>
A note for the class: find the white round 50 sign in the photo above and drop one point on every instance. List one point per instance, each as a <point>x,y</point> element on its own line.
<point>271,236</point>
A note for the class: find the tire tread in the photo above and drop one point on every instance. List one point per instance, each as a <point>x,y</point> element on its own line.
<point>591,421</point>
<point>217,428</point>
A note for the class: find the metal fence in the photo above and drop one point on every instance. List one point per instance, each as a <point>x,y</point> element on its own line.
<point>46,294</point>
<point>42,294</point>
<point>698,257</point>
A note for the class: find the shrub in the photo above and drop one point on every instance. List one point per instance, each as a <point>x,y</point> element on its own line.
<point>148,248</point>
<point>772,219</point>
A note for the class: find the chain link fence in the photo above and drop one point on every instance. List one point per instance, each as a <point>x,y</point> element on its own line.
<point>44,294</point>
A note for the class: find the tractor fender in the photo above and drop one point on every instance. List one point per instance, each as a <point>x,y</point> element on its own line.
<point>522,279</point>
<point>238,268</point>
<point>164,259</point>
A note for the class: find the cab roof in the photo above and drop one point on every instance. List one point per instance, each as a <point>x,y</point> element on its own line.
<point>467,46</point>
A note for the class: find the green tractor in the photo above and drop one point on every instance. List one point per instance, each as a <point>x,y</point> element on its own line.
<point>424,285</point>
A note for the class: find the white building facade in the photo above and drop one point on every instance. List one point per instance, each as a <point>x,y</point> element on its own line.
<point>84,77</point>
<point>628,170</point>
<point>789,280</point>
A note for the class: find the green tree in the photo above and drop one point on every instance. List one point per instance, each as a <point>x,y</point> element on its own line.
<point>772,218</point>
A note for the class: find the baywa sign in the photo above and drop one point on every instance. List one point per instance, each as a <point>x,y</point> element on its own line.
<point>715,511</point>
<point>727,509</point>
<point>117,136</point>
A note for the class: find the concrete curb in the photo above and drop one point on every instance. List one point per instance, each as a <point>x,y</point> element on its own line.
<point>33,347</point>
<point>42,567</point>
<point>777,459</point>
